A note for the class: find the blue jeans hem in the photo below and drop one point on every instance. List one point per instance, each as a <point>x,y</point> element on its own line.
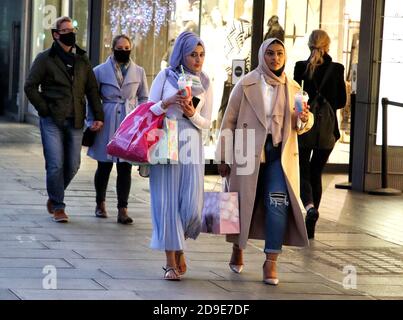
<point>272,251</point>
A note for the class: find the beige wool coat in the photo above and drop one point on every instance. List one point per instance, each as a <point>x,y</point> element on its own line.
<point>245,110</point>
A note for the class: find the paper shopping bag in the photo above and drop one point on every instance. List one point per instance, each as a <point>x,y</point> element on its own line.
<point>220,213</point>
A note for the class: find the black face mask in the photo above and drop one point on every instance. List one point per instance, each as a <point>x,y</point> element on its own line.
<point>68,39</point>
<point>122,56</point>
<point>279,72</point>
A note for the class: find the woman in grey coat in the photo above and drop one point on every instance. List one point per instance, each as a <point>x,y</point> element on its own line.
<point>122,86</point>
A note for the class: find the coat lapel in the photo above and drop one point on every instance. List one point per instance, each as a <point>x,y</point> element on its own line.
<point>290,121</point>
<point>108,75</point>
<point>132,75</point>
<point>254,95</point>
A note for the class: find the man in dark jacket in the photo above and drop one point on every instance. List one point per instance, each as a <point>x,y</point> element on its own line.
<point>58,82</point>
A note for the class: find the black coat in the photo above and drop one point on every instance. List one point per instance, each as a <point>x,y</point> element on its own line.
<point>58,91</point>
<point>334,89</point>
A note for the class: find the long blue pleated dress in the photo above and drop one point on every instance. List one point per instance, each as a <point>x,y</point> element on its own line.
<point>177,189</point>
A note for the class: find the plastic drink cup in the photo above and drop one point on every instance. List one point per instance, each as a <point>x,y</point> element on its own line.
<point>301,101</point>
<point>185,86</point>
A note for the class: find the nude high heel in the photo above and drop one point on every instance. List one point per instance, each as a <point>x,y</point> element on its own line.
<point>269,268</point>
<point>236,263</point>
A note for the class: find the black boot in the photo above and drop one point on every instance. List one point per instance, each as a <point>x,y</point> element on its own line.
<point>100,211</point>
<point>310,221</point>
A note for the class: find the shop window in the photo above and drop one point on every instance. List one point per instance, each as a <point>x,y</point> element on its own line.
<point>224,26</point>
<point>44,15</point>
<point>341,20</point>
<point>391,66</point>
<point>80,20</point>
<point>226,29</point>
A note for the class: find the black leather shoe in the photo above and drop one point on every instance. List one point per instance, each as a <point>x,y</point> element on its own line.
<point>310,221</point>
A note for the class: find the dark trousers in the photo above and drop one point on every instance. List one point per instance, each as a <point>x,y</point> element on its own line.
<point>123,182</point>
<point>311,165</point>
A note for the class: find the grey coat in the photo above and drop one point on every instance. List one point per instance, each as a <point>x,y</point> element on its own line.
<point>117,103</point>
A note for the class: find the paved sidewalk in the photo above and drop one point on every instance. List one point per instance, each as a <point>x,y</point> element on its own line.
<point>99,259</point>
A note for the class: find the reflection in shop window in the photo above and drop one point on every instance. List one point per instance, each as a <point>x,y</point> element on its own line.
<point>44,16</point>
<point>147,23</point>
<point>226,29</point>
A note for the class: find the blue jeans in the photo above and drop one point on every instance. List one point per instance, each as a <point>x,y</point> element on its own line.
<point>276,202</point>
<point>62,151</point>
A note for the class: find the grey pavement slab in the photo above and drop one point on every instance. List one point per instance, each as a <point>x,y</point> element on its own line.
<point>32,294</point>
<point>25,237</point>
<point>186,286</point>
<point>100,259</point>
<point>100,239</point>
<point>37,253</point>
<point>21,242</point>
<point>6,294</point>
<point>382,291</point>
<point>62,273</point>
<point>259,287</point>
<point>61,284</point>
<point>33,263</point>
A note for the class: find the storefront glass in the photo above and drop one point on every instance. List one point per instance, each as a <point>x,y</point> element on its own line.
<point>44,15</point>
<point>80,20</point>
<point>221,24</point>
<point>226,29</point>
<point>341,20</point>
<point>392,65</point>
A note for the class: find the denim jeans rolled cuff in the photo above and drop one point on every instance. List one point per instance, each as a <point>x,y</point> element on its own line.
<point>267,251</point>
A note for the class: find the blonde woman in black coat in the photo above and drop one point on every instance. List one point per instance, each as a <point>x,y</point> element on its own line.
<point>318,72</point>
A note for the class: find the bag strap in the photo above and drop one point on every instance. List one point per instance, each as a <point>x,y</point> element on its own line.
<point>225,180</point>
<point>165,81</point>
<point>325,78</point>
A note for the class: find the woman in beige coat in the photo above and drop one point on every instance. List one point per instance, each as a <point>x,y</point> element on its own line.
<point>258,152</point>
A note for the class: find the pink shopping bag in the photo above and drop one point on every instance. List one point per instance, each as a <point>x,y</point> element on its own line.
<point>136,135</point>
<point>220,213</point>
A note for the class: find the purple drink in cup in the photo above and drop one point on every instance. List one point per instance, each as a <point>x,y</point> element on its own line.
<point>301,101</point>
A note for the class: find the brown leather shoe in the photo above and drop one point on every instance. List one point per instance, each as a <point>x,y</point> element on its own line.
<point>123,218</point>
<point>49,206</point>
<point>60,216</point>
<point>100,210</point>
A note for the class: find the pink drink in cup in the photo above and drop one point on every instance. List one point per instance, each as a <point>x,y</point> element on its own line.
<point>185,84</point>
<point>301,101</point>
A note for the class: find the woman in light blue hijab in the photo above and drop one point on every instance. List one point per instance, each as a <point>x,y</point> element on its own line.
<point>184,46</point>
<point>177,189</point>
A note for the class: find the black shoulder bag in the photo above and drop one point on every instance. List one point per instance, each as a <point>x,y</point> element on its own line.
<point>321,135</point>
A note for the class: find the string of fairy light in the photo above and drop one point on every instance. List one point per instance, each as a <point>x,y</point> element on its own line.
<point>137,17</point>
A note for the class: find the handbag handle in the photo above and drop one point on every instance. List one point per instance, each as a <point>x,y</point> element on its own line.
<point>226,183</point>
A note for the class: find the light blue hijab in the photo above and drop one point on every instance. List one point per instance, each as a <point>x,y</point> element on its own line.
<point>184,45</point>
